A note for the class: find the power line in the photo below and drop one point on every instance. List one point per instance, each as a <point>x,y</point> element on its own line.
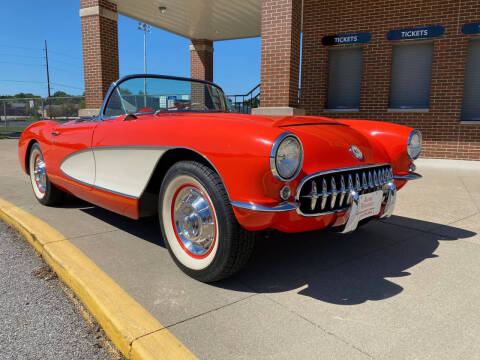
<point>25,81</point>
<point>67,86</point>
<point>20,47</point>
<point>17,63</point>
<point>67,55</point>
<point>21,55</point>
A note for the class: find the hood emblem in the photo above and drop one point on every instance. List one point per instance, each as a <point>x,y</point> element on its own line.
<point>356,152</point>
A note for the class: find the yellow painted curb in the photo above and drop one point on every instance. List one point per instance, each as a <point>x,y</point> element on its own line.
<point>136,333</point>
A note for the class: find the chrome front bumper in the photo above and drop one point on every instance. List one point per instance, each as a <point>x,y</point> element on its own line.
<point>352,212</point>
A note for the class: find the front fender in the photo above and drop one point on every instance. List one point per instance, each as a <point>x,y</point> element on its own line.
<point>40,132</point>
<point>392,137</point>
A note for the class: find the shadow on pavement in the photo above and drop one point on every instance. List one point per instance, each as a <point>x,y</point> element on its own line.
<point>327,266</point>
<point>343,269</point>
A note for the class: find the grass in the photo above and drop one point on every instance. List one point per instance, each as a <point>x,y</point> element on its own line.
<point>10,129</point>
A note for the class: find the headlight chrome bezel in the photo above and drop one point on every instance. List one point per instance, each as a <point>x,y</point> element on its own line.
<point>273,156</point>
<point>410,137</point>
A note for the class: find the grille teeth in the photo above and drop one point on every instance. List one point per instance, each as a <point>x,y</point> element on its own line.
<point>350,189</point>
<point>314,195</point>
<point>336,188</point>
<point>364,181</point>
<point>358,186</point>
<point>342,191</point>
<point>324,193</point>
<point>333,186</point>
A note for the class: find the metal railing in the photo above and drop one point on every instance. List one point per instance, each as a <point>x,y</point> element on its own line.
<point>18,113</point>
<point>244,103</point>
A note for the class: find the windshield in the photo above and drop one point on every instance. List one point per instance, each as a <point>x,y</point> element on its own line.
<point>156,94</point>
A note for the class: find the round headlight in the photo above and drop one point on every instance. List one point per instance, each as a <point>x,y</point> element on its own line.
<point>414,144</point>
<point>286,157</point>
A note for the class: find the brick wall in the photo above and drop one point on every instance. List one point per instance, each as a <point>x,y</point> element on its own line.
<point>100,52</point>
<point>201,59</point>
<point>444,136</point>
<point>281,26</point>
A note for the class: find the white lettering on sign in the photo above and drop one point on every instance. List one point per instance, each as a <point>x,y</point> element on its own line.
<point>414,33</point>
<point>346,39</point>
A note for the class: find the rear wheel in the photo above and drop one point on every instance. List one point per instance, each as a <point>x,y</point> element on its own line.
<point>198,224</point>
<point>45,192</point>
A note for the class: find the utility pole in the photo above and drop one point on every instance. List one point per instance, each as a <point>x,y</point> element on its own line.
<point>48,74</point>
<point>146,29</point>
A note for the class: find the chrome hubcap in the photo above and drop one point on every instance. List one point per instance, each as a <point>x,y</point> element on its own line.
<point>194,220</point>
<point>40,175</point>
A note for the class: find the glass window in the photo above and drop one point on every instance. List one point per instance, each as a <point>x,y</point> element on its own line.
<point>344,78</point>
<point>411,75</point>
<point>471,90</point>
<point>145,95</point>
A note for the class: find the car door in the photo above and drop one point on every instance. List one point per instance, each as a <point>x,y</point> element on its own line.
<point>71,165</point>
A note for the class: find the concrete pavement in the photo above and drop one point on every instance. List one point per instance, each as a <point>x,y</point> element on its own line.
<point>403,288</point>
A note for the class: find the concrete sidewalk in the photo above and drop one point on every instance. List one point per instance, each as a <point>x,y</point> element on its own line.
<point>403,288</point>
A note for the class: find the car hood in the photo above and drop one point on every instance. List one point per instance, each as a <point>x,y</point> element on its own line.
<point>327,142</point>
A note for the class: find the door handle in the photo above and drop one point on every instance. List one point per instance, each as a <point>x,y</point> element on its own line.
<point>55,133</point>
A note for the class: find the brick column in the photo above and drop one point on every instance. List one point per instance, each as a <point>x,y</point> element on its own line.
<point>281,29</point>
<point>201,59</point>
<point>100,51</point>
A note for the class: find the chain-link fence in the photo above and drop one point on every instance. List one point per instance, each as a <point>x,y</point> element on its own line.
<point>18,113</point>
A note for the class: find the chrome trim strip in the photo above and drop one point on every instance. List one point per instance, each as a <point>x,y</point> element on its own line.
<point>116,83</point>
<point>168,148</point>
<point>273,153</point>
<point>284,206</point>
<point>332,171</point>
<point>98,187</point>
<point>410,176</point>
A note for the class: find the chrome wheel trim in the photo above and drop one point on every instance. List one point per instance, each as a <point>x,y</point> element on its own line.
<point>38,175</point>
<point>193,220</point>
<point>167,218</point>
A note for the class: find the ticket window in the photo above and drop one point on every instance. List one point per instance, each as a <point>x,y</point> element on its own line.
<point>411,75</point>
<point>471,90</point>
<point>344,78</point>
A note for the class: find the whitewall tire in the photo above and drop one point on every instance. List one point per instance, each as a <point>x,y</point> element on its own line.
<point>45,192</point>
<point>198,224</point>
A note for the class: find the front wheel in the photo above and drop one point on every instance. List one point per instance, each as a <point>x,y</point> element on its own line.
<point>45,192</point>
<point>198,224</point>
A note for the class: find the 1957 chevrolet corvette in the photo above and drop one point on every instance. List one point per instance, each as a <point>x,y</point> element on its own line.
<point>173,147</point>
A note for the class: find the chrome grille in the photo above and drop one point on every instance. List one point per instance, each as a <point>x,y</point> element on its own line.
<point>330,191</point>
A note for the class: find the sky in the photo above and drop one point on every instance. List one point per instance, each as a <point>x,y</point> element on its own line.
<point>26,24</point>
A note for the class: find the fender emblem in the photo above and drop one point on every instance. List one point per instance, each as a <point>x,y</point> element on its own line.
<point>356,152</point>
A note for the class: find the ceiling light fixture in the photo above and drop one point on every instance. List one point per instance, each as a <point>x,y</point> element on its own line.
<point>162,9</point>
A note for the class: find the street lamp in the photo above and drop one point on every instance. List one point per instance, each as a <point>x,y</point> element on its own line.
<point>146,29</point>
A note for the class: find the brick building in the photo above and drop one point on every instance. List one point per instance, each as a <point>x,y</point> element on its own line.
<point>392,60</point>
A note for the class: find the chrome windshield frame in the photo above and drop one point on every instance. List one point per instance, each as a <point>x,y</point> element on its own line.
<point>114,85</point>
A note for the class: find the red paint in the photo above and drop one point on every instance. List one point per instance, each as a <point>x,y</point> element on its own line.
<point>175,228</point>
<point>239,148</point>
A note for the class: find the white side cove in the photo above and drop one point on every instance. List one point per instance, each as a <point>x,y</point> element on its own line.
<point>80,166</point>
<point>122,170</point>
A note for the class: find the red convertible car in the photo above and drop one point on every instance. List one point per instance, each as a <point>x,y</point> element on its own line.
<point>173,147</point>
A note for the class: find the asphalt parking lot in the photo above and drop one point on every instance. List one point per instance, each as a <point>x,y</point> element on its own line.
<point>404,288</point>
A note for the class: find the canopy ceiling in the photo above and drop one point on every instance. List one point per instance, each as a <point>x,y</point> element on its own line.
<point>198,19</point>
